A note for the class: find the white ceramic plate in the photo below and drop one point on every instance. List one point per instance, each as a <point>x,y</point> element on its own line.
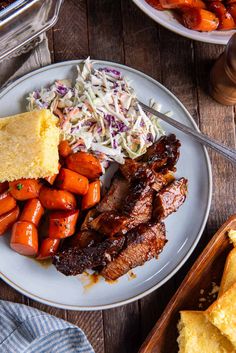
<point>166,19</point>
<point>184,228</point>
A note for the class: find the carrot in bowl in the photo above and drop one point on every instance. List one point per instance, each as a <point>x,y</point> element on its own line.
<point>182,4</point>
<point>24,238</point>
<point>64,148</point>
<point>232,10</point>
<point>226,21</point>
<point>200,20</point>
<point>8,219</point>
<point>93,195</point>
<point>7,203</point>
<point>62,224</point>
<point>24,189</point>
<point>48,248</point>
<point>72,181</point>
<point>156,4</point>
<point>57,199</point>
<point>32,212</point>
<point>85,164</point>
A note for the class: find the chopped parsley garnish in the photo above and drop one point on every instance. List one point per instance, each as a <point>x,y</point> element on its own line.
<point>19,186</point>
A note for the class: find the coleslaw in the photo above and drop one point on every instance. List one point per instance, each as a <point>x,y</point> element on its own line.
<point>100,113</point>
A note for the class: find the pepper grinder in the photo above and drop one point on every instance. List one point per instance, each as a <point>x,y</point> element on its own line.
<point>223,75</point>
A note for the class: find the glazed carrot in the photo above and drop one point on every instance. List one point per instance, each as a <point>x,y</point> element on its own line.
<point>52,178</point>
<point>32,212</point>
<point>72,181</point>
<point>225,18</point>
<point>8,219</point>
<point>179,4</point>
<point>232,10</point>
<point>93,195</point>
<point>156,4</point>
<point>64,148</point>
<point>24,189</point>
<point>4,186</point>
<point>62,224</point>
<point>48,248</point>
<point>85,164</point>
<point>7,203</point>
<point>200,20</point>
<point>57,199</point>
<point>24,238</point>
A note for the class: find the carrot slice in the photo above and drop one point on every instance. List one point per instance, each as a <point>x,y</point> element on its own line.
<point>232,10</point>
<point>200,20</point>
<point>57,199</point>
<point>85,164</point>
<point>24,189</point>
<point>48,248</point>
<point>225,18</point>
<point>52,178</point>
<point>24,238</point>
<point>62,224</point>
<point>156,4</point>
<point>8,219</point>
<point>7,203</point>
<point>72,181</point>
<point>93,195</point>
<point>182,4</point>
<point>4,186</point>
<point>64,148</point>
<point>32,211</point>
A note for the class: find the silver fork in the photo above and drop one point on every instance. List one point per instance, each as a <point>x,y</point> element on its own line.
<point>227,152</point>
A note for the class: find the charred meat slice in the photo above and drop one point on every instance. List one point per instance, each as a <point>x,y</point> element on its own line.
<point>113,199</point>
<point>91,215</point>
<point>143,243</point>
<point>169,199</point>
<point>138,203</point>
<point>74,261</point>
<point>163,154</point>
<point>130,168</point>
<point>85,238</point>
<point>110,223</point>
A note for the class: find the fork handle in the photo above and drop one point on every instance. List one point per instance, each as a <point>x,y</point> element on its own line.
<point>227,152</point>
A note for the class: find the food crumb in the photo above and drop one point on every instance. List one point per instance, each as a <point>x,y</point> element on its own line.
<point>131,275</point>
<point>202,291</point>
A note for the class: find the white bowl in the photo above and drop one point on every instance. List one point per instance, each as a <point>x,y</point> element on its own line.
<point>166,19</point>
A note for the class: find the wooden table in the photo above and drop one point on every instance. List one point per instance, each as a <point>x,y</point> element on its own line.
<point>117,30</point>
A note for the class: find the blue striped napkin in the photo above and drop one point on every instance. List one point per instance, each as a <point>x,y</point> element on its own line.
<point>28,330</point>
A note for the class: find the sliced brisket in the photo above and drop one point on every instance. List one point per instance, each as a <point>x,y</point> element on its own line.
<point>142,244</point>
<point>169,199</point>
<point>74,261</point>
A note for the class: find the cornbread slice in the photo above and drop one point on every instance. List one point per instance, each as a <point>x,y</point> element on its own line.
<point>229,274</point>
<point>28,145</point>
<point>232,236</point>
<point>222,314</point>
<point>198,335</point>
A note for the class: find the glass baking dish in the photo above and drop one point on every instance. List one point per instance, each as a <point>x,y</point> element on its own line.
<point>23,21</point>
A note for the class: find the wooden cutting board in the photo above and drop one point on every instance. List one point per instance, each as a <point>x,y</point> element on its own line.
<point>194,293</point>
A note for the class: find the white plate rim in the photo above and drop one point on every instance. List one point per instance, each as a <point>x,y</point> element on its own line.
<point>194,35</point>
<point>185,258</point>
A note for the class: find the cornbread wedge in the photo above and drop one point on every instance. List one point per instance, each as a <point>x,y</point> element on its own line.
<point>222,314</point>
<point>229,274</point>
<point>232,236</point>
<point>29,145</point>
<point>198,335</point>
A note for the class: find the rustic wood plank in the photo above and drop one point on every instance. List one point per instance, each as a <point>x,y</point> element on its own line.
<point>217,121</point>
<point>70,32</point>
<point>105,30</point>
<point>10,294</point>
<point>121,329</point>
